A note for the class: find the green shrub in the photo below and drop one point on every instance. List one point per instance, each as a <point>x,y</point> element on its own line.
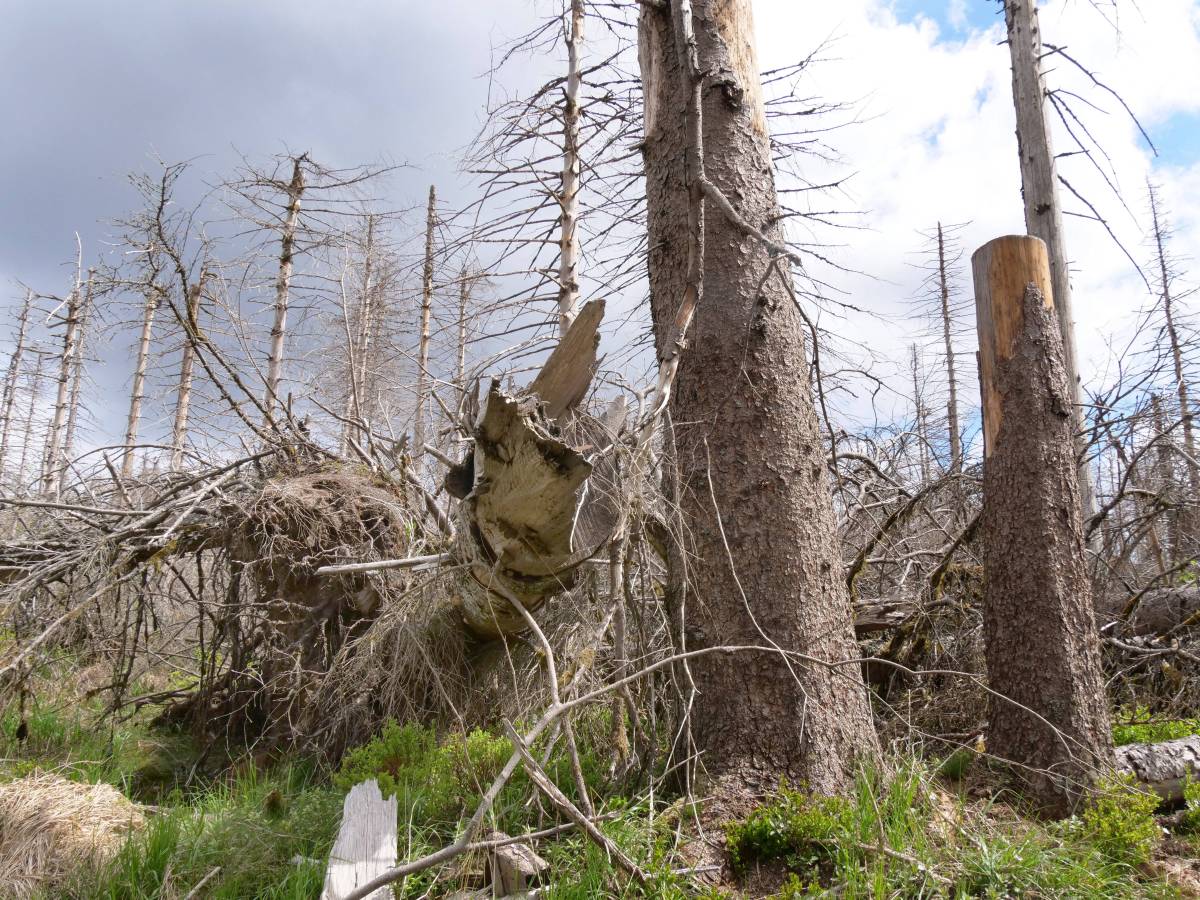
<point>1141,728</point>
<point>1191,811</point>
<point>1118,819</point>
<point>799,828</point>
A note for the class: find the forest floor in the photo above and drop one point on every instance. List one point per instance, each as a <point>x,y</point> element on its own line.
<point>227,828</point>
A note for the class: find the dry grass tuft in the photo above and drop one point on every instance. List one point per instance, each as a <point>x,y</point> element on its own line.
<point>51,828</point>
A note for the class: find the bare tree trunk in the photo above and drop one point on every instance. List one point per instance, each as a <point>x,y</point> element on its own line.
<point>568,259</point>
<point>76,382</point>
<point>283,281</point>
<point>1049,714</point>
<point>1181,385</point>
<point>1166,478</point>
<point>750,458</point>
<point>921,424</point>
<point>54,438</point>
<point>11,378</point>
<point>951,375</point>
<point>366,332</point>
<point>1043,208</point>
<point>426,309</point>
<point>464,299</point>
<point>138,391</point>
<point>183,396</point>
<point>27,438</point>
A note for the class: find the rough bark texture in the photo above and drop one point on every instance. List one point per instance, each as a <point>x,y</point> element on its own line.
<point>749,454</point>
<point>568,253</point>
<point>1164,767</point>
<point>1039,189</point>
<point>1041,642</point>
<point>10,380</point>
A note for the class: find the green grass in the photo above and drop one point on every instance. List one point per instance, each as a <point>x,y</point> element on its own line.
<point>890,838</point>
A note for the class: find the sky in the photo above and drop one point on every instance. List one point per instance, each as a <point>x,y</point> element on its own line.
<point>90,91</point>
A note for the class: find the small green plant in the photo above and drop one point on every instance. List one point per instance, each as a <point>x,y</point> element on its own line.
<point>1119,821</point>
<point>1191,811</point>
<point>797,827</point>
<point>1140,727</point>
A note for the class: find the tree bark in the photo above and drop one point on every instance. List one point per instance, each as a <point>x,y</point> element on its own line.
<point>76,397</point>
<point>750,457</point>
<point>1042,648</point>
<point>283,282</point>
<point>568,259</point>
<point>138,391</point>
<point>1043,208</point>
<point>54,438</point>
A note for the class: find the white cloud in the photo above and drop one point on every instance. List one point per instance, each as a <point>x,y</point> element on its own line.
<point>936,141</point>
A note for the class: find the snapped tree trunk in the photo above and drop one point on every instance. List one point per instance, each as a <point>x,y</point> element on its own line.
<point>76,399</point>
<point>1041,641</point>
<point>1043,207</point>
<point>749,453</point>
<point>283,282</point>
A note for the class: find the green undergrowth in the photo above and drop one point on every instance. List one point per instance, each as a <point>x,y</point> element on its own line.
<point>905,837</point>
<point>1141,727</point>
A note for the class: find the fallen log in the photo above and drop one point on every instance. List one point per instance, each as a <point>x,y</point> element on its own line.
<point>1164,767</point>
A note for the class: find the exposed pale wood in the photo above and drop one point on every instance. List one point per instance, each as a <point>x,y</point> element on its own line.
<point>11,378</point>
<point>283,281</point>
<point>426,309</point>
<point>568,253</point>
<point>564,379</point>
<point>1001,269</point>
<point>366,843</point>
<point>948,342</point>
<point>183,396</point>
<point>70,347</point>
<point>138,391</point>
<point>1164,767</point>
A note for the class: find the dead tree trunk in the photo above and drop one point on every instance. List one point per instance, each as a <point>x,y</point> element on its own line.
<point>70,347</point>
<point>568,259</point>
<point>951,375</point>
<point>76,397</point>
<point>11,378</point>
<point>750,459</point>
<point>426,309</point>
<point>1043,208</point>
<point>138,391</point>
<point>283,281</point>
<point>1049,714</point>
<point>183,397</point>
<point>35,384</point>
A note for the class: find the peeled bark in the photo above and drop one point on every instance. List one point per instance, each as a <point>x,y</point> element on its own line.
<point>568,259</point>
<point>10,380</point>
<point>183,396</point>
<point>1048,712</point>
<point>138,391</point>
<point>56,434</point>
<point>283,282</point>
<point>750,458</point>
<point>76,397</point>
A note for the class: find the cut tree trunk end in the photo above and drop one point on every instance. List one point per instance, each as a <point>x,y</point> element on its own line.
<point>1049,714</point>
<point>366,843</point>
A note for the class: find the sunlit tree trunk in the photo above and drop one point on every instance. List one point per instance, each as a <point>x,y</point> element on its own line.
<point>568,261</point>
<point>12,377</point>
<point>183,395</point>
<point>138,391</point>
<point>283,281</point>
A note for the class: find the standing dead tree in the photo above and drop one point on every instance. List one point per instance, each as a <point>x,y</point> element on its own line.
<point>1048,712</point>
<point>72,316</point>
<point>11,378</point>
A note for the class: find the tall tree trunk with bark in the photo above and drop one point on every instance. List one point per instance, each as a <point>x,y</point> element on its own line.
<point>183,396</point>
<point>76,398</point>
<point>1043,207</point>
<point>568,259</point>
<point>750,457</point>
<point>426,310</point>
<point>283,282</point>
<point>1048,713</point>
<point>11,378</point>
<point>138,391</point>
<point>951,374</point>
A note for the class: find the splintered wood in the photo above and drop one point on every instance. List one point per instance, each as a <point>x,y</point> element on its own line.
<point>366,843</point>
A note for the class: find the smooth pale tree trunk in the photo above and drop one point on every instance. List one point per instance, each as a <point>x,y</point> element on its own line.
<point>921,414</point>
<point>183,396</point>
<point>1048,713</point>
<point>426,310</point>
<point>1181,385</point>
<point>568,259</point>
<point>11,378</point>
<point>1043,207</point>
<point>283,282</point>
<point>138,391</point>
<point>951,374</point>
<point>751,462</point>
<point>360,364</point>
<point>35,383</point>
